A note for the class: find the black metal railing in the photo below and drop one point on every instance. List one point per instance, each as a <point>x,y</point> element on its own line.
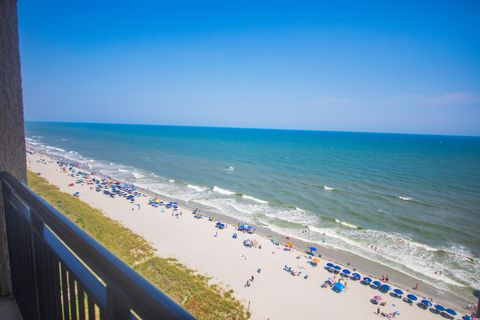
<point>59,272</point>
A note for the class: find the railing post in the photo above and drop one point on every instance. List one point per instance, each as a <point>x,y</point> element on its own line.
<point>36,224</point>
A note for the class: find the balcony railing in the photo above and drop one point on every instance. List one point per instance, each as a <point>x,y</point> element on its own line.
<point>59,272</point>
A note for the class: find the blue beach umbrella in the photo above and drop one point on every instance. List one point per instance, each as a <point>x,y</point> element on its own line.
<point>412,297</point>
<point>356,276</point>
<point>367,280</point>
<point>451,312</point>
<point>346,271</point>
<point>377,283</point>
<point>338,287</point>
<point>398,292</point>
<point>426,303</point>
<point>385,287</point>
<point>439,307</point>
<point>330,265</point>
<point>337,268</point>
<point>466,317</point>
<point>313,249</point>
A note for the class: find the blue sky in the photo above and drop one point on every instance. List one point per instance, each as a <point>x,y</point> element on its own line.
<point>388,66</point>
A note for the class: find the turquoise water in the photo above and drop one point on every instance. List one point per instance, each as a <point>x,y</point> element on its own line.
<point>415,197</point>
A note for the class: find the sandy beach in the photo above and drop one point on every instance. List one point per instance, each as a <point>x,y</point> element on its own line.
<point>274,293</point>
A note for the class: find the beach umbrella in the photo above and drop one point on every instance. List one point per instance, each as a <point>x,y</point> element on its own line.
<point>316,260</point>
<point>377,283</point>
<point>356,276</point>
<point>289,243</point>
<point>346,271</point>
<point>377,298</point>
<point>385,287</point>
<point>439,307</point>
<point>313,249</point>
<point>338,287</point>
<point>466,317</point>
<point>451,312</point>
<point>367,280</point>
<point>398,292</point>
<point>337,268</point>
<point>426,303</point>
<point>412,297</point>
<point>330,265</point>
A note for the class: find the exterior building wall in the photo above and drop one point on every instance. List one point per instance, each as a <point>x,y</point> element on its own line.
<point>12,135</point>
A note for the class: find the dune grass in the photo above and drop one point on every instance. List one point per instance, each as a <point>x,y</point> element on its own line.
<point>185,286</point>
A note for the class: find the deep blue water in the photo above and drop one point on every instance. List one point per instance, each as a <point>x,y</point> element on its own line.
<point>415,197</point>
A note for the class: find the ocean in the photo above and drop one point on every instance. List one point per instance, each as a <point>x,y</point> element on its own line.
<point>413,197</point>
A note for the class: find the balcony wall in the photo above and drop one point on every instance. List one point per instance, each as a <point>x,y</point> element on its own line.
<point>12,136</point>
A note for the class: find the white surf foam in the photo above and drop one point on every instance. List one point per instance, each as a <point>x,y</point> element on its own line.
<point>394,251</point>
<point>223,191</point>
<point>405,198</point>
<point>138,175</point>
<point>346,224</point>
<point>254,199</point>
<point>327,188</point>
<point>55,149</point>
<point>194,187</point>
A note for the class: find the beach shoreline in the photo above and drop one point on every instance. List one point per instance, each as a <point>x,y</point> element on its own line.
<point>347,259</point>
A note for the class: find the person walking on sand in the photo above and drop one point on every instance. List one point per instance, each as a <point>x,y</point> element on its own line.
<point>416,286</point>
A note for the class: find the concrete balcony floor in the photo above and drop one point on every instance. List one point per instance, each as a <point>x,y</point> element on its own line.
<point>9,309</point>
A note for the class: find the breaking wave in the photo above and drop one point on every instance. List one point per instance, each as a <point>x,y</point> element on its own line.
<point>222,191</point>
<point>195,187</point>
<point>244,196</point>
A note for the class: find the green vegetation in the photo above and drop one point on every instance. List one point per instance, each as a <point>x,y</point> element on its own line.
<point>185,286</point>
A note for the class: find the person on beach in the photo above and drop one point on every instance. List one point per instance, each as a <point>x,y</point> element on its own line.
<point>416,286</point>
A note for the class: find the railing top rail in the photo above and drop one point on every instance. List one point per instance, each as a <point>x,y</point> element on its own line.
<point>144,298</point>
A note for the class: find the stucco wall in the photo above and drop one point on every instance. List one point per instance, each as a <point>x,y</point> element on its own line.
<point>12,136</point>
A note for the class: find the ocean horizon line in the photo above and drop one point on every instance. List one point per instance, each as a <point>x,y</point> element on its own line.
<point>449,135</point>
